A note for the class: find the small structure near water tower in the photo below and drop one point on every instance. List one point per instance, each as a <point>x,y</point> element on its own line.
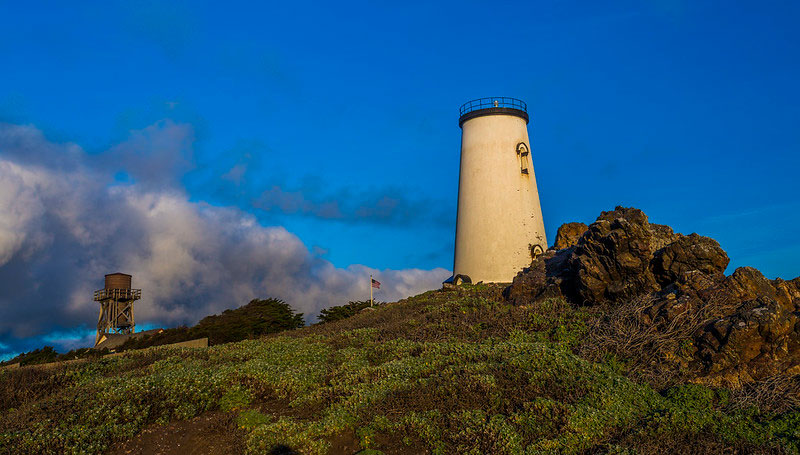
<point>116,307</point>
<point>499,228</point>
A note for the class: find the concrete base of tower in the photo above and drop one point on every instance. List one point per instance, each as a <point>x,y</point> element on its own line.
<point>497,265</point>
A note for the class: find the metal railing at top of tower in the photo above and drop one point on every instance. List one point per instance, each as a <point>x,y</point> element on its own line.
<point>497,101</point>
<point>130,294</point>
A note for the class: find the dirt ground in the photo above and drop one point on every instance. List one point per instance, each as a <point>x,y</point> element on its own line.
<point>213,433</point>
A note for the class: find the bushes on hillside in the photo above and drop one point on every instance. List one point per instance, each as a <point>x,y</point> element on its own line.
<point>258,317</point>
<point>336,313</point>
<point>37,356</point>
<point>48,355</point>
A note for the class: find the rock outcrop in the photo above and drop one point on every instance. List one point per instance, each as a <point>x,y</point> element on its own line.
<point>569,234</point>
<point>612,259</point>
<point>688,254</point>
<point>745,326</point>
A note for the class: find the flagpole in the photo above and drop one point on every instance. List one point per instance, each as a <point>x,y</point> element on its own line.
<point>370,289</point>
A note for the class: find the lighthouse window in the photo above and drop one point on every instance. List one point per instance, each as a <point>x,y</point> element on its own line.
<point>522,154</point>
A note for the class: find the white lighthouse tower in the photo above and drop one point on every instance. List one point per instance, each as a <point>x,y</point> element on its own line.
<point>499,227</point>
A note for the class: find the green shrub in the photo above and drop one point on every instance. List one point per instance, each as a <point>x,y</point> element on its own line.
<point>250,419</point>
<point>44,355</point>
<point>235,399</point>
<point>337,313</point>
<point>256,318</point>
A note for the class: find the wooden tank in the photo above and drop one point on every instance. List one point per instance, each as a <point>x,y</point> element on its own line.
<point>118,281</point>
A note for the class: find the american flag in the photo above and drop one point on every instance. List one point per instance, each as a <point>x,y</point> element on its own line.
<point>375,283</point>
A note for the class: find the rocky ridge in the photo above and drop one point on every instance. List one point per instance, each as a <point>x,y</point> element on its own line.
<point>744,327</point>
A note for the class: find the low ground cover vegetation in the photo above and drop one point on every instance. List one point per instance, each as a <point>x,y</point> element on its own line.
<point>452,371</point>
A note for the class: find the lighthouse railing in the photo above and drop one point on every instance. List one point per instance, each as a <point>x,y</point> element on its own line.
<point>497,101</point>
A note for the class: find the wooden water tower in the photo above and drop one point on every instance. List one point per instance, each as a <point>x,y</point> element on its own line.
<point>116,306</point>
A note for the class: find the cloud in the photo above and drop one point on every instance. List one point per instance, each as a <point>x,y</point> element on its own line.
<point>65,222</point>
<point>376,205</point>
<point>156,156</point>
<point>251,169</point>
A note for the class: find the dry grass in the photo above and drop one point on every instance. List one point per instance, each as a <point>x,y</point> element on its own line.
<point>25,385</point>
<point>774,395</point>
<point>647,349</point>
<point>658,352</point>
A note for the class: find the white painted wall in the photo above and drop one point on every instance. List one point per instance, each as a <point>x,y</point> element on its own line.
<point>499,215</point>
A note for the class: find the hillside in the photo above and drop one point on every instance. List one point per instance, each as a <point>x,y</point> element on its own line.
<point>583,353</point>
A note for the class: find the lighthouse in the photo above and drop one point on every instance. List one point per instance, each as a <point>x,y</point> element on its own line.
<point>499,228</point>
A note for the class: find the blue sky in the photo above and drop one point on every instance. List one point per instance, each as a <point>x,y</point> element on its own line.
<point>338,121</point>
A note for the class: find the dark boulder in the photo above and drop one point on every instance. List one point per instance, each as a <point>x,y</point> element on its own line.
<point>688,253</point>
<point>760,339</point>
<point>609,261</point>
<point>544,278</point>
<point>612,259</point>
<point>747,283</point>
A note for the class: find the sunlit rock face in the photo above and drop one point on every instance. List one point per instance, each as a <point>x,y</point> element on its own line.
<point>569,234</point>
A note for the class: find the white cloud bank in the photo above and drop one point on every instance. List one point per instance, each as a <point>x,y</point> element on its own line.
<point>64,223</point>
